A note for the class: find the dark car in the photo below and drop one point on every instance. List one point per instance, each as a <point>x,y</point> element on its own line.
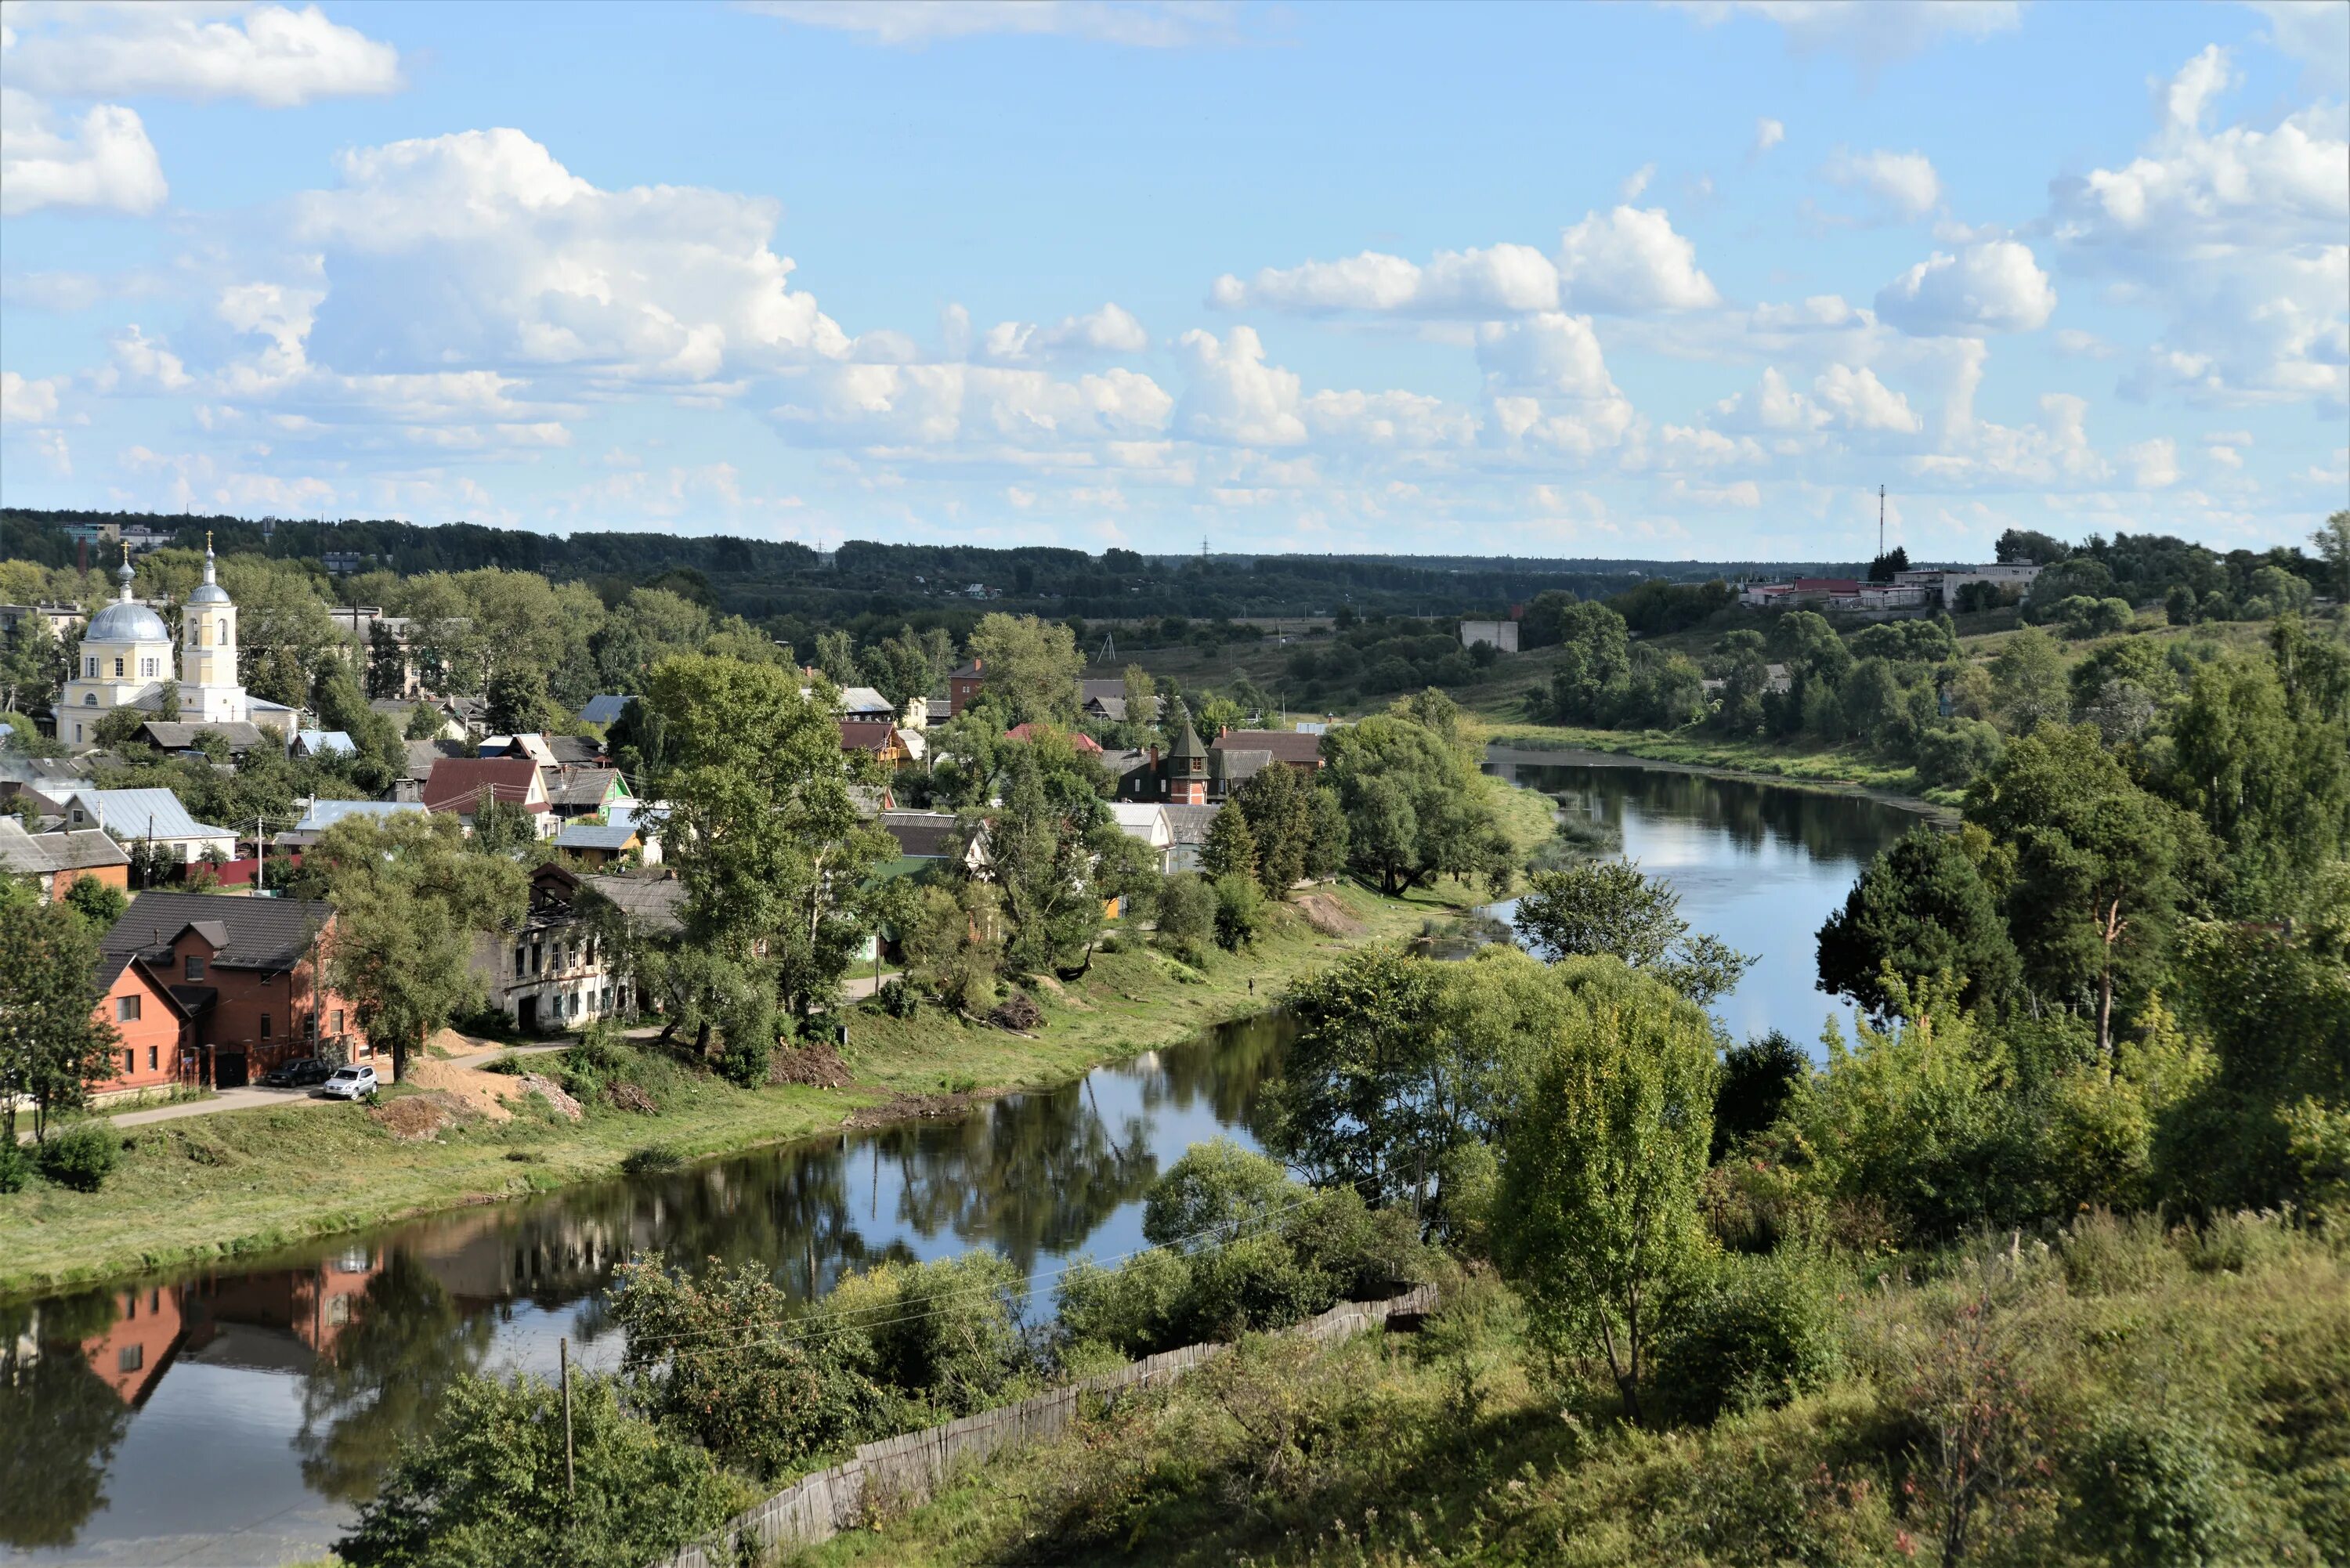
<point>298,1073</point>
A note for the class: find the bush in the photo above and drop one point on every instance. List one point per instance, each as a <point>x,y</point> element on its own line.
<point>1240,913</point>
<point>1187,915</point>
<point>897,999</point>
<point>2156,1490</point>
<point>1953,756</point>
<point>485,1486</point>
<point>81,1157</point>
<point>15,1168</point>
<point>1745,1333</point>
<point>651,1160</point>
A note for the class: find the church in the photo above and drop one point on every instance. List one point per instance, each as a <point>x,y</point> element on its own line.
<point>125,662</point>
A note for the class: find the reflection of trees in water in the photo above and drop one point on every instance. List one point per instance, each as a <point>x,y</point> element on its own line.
<point>60,1422</point>
<point>1033,1174</point>
<point>384,1377</point>
<point>1227,1069</point>
<point>1830,827</point>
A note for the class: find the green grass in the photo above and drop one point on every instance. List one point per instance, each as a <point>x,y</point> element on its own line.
<point>2230,1353</point>
<point>1806,762</point>
<point>247,1181</point>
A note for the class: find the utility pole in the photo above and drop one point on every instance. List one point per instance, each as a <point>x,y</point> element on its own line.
<point>1880,521</point>
<point>570,1479</point>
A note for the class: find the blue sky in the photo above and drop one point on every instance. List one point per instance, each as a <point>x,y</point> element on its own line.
<point>1681,280</point>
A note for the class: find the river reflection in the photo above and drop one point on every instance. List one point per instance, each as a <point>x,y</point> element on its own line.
<point>1760,866</point>
<point>238,1417</point>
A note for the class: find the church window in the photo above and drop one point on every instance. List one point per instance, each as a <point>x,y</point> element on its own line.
<point>118,669</point>
<point>93,667</point>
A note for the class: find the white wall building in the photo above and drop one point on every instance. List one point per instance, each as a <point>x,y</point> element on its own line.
<point>1501,634</point>
<point>125,662</point>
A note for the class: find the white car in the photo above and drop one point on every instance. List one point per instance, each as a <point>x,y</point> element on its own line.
<point>349,1084</point>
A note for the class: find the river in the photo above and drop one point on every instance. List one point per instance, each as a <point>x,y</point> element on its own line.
<point>237,1415</point>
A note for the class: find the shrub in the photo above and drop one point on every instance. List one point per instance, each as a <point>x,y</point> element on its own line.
<point>1187,915</point>
<point>1744,1334</point>
<point>651,1160</point>
<point>2158,1490</point>
<point>81,1157</point>
<point>1240,913</point>
<point>897,999</point>
<point>1955,754</point>
<point>15,1166</point>
<point>485,1486</point>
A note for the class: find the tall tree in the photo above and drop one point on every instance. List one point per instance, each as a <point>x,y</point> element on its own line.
<point>1231,849</point>
<point>1039,847</point>
<point>410,896</point>
<point>1278,802</point>
<point>1920,908</point>
<point>2028,684</point>
<point>53,1043</point>
<point>1596,1212</point>
<point>1030,667</point>
<point>1610,907</point>
<point>1415,806</point>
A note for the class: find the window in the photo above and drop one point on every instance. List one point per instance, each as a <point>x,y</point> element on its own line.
<point>338,1021</point>
<point>150,1058</point>
<point>521,959</point>
<point>92,672</point>
<point>126,1008</point>
<point>265,1026</point>
<point>192,967</point>
<point>118,669</point>
<point>130,1357</point>
<point>130,1063</point>
<point>537,958</point>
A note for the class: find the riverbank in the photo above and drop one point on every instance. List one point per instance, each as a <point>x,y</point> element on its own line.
<point>1848,768</point>
<point>223,1186</point>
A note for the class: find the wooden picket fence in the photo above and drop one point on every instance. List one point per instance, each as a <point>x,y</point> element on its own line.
<point>912,1468</point>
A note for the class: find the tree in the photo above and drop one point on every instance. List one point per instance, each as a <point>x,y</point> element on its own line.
<point>99,905</point>
<point>1231,849</point>
<point>1326,848</point>
<point>1352,1103</point>
<point>1030,668</point>
<point>409,898</point>
<point>1039,857</point>
<point>1141,695</point>
<point>1884,567</point>
<point>2028,684</point>
<point>1760,1078</point>
<point>1415,806</point>
<point>1918,910</point>
<point>53,1041</point>
<point>387,663</point>
<point>2024,545</point>
<point>2333,542</point>
<point>31,665</point>
<point>1596,1212</point>
<point>1594,662</point>
<point>953,943</point>
<point>1278,802</point>
<point>1609,907</point>
<point>490,1484</point>
<point>835,656</point>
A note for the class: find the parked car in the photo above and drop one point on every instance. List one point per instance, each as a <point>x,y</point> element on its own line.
<point>298,1073</point>
<point>349,1084</point>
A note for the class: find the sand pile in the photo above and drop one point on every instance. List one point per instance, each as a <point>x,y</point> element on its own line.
<point>415,1118</point>
<point>449,1042</point>
<point>1326,914</point>
<point>484,1094</point>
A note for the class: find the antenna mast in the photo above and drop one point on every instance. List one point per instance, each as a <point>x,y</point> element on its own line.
<point>1880,521</point>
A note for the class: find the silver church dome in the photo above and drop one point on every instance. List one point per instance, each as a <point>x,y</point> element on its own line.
<point>125,621</point>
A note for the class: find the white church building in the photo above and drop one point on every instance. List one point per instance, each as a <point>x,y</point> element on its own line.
<point>125,662</point>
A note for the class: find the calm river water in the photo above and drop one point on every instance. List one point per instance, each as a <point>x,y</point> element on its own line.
<point>238,1415</point>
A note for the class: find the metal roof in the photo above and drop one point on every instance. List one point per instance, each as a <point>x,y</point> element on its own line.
<point>143,814</point>
<point>604,708</point>
<point>326,743</point>
<point>591,835</point>
<point>38,854</point>
<point>251,933</point>
<point>324,814</point>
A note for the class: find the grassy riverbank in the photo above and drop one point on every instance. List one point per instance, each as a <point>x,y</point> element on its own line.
<point>244,1182</point>
<point>1804,762</point>
<point>2061,1361</point>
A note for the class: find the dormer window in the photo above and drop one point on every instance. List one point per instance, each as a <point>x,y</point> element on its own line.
<point>193,966</point>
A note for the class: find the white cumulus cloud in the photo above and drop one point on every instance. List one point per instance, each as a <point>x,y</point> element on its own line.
<point>105,162</point>
<point>24,401</point>
<point>1901,185</point>
<point>1143,24</point>
<point>1498,279</point>
<point>1630,261</point>
<point>1109,330</point>
<point>269,54</point>
<point>1873,31</point>
<point>1996,286</point>
<point>1234,396</point>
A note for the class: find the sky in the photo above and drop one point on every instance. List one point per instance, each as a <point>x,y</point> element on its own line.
<point>1688,280</point>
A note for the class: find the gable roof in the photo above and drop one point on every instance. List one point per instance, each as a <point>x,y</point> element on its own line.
<point>326,743</point>
<point>1077,737</point>
<point>651,901</point>
<point>177,735</point>
<point>863,735</point>
<point>141,813</point>
<point>1234,765</point>
<point>533,747</point>
<point>456,784</point>
<point>865,699</point>
<point>423,754</point>
<point>247,933</point>
<point>921,835</point>
<point>41,854</point>
<point>618,835</point>
<point>604,708</point>
<point>1190,824</point>
<point>572,751</point>
<point>1286,746</point>
<point>583,786</point>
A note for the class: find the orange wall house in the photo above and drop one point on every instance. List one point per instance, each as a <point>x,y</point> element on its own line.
<point>246,970</point>
<point>157,1049</point>
<point>131,1355</point>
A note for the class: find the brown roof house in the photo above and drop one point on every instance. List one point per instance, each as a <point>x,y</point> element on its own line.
<point>461,784</point>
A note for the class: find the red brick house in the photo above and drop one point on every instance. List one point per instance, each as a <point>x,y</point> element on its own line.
<point>157,1049</point>
<point>53,862</point>
<point>962,687</point>
<point>246,971</point>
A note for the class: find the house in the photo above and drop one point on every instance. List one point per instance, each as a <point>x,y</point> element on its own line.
<point>246,972</point>
<point>572,792</point>
<point>1183,775</point>
<point>535,747</point>
<point>597,844</point>
<point>646,819</point>
<point>152,815</point>
<point>649,903</point>
<point>1294,747</point>
<point>863,702</point>
<point>1229,767</point>
<point>1777,682</point>
<point>1501,635</point>
<point>54,862</point>
<point>401,711</point>
<point>157,1046</point>
<point>421,757</point>
<point>962,687</point>
<point>179,736</point>
<point>461,785</point>
<point>1106,701</point>
<point>1146,824</point>
<point>603,709</point>
<point>1187,828</point>
<point>554,973</point>
<point>322,744</point>
<point>879,740</point>
<point>317,816</point>
<point>927,839</point>
<point>1944,584</point>
<point>573,750</point>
